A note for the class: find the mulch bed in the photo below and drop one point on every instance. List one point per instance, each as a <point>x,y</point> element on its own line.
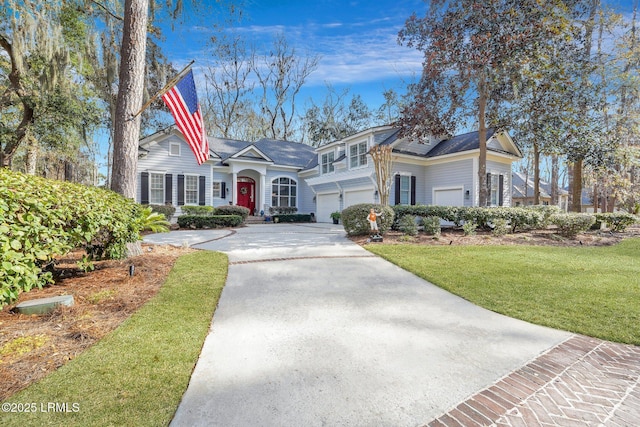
<point>103,299</point>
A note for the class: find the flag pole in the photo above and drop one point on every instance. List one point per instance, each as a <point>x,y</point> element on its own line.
<point>171,83</point>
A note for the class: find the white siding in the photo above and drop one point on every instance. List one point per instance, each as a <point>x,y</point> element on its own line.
<point>158,160</point>
<point>413,170</point>
<point>496,168</point>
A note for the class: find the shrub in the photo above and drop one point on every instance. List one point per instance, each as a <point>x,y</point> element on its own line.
<point>571,224</point>
<point>292,218</point>
<point>408,225</point>
<point>546,211</point>
<point>166,210</point>
<point>500,227</point>
<point>233,210</point>
<point>43,219</point>
<point>446,213</point>
<point>354,218</point>
<point>469,228</point>
<point>197,210</point>
<point>431,225</point>
<point>617,221</point>
<point>282,210</point>
<point>213,221</point>
<point>152,221</point>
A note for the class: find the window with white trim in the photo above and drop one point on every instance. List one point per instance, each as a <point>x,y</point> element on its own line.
<point>174,148</point>
<point>358,154</point>
<point>405,189</point>
<point>191,189</point>
<point>327,162</point>
<point>216,189</point>
<point>156,188</point>
<point>284,192</point>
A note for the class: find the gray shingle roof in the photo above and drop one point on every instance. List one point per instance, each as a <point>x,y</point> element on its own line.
<point>287,153</point>
<point>457,144</point>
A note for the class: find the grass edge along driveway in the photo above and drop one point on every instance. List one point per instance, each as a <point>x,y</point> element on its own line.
<point>136,375</point>
<point>593,291</point>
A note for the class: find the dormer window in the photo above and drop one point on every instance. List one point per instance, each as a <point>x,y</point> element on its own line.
<point>358,155</point>
<point>327,162</point>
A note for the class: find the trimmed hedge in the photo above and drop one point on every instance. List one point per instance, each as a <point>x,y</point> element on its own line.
<point>282,210</point>
<point>166,210</point>
<point>354,218</point>
<point>292,218</point>
<point>197,210</point>
<point>42,219</point>
<point>617,221</point>
<point>232,210</point>
<point>571,224</point>
<point>213,221</point>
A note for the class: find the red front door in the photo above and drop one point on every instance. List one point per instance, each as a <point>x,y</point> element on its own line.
<point>246,195</point>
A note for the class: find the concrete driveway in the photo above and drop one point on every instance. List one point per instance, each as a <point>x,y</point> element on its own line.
<point>312,330</point>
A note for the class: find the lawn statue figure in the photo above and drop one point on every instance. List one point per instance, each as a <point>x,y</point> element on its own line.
<point>373,224</point>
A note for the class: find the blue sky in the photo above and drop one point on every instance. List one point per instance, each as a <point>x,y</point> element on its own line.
<point>357,41</point>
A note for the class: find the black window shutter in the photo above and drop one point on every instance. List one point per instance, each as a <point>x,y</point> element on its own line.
<point>500,190</point>
<point>168,189</point>
<point>223,190</point>
<point>180,190</point>
<point>488,189</point>
<point>201,190</point>
<point>397,190</point>
<point>413,190</point>
<point>144,188</point>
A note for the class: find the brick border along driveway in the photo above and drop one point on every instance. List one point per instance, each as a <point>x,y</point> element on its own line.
<point>581,382</point>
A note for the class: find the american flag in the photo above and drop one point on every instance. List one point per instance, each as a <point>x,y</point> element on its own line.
<point>182,100</point>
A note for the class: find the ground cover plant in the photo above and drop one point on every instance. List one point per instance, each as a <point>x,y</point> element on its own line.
<point>137,374</point>
<point>588,290</point>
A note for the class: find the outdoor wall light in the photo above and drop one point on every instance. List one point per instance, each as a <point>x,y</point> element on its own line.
<point>466,195</point>
<point>340,197</point>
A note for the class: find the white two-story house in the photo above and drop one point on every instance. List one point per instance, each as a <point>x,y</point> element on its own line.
<point>270,173</point>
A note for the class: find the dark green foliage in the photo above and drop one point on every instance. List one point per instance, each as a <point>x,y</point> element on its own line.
<point>282,210</point>
<point>213,221</point>
<point>292,218</point>
<point>43,219</point>
<point>233,210</point>
<point>408,225</point>
<point>166,210</point>
<point>354,218</point>
<point>197,210</point>
<point>617,221</point>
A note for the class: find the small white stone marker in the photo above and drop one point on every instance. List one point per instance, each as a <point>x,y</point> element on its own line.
<point>44,305</point>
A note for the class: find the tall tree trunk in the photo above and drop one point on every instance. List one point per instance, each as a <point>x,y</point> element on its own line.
<point>554,179</point>
<point>31,159</point>
<point>536,174</point>
<point>482,139</point>
<point>576,189</point>
<point>130,93</point>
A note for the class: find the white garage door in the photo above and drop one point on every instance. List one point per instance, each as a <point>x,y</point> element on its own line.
<point>325,204</point>
<point>361,196</point>
<point>448,197</point>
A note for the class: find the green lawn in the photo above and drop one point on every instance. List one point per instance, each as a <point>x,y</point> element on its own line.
<point>593,291</point>
<point>137,375</point>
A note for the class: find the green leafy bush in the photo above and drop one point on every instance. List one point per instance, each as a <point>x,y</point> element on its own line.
<point>431,225</point>
<point>152,221</point>
<point>571,224</point>
<point>469,228</point>
<point>282,210</point>
<point>408,225</point>
<point>213,221</point>
<point>500,227</point>
<point>446,213</point>
<point>166,210</point>
<point>292,218</point>
<point>617,221</point>
<point>354,218</point>
<point>43,219</point>
<point>197,210</point>
<point>233,210</point>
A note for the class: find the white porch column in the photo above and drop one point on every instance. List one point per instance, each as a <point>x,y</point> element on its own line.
<point>234,188</point>
<point>262,190</point>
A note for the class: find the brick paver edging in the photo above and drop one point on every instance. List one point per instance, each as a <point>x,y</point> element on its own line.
<point>580,382</point>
